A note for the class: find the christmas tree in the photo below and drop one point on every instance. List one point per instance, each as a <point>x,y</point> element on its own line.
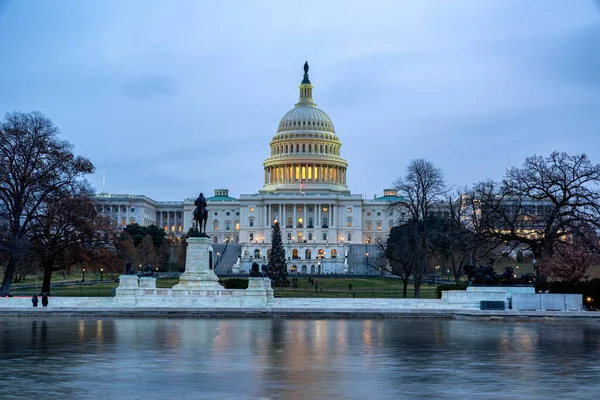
<point>277,267</point>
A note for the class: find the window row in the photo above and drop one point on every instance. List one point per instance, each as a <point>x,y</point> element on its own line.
<point>301,148</point>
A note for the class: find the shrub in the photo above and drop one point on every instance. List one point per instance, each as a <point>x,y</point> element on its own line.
<point>454,286</point>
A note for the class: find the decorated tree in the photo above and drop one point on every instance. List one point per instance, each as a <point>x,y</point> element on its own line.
<point>277,267</point>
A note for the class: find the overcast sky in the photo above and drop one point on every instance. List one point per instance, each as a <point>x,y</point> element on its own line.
<point>184,96</point>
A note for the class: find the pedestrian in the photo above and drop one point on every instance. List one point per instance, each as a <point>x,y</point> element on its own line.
<point>34,300</point>
<point>44,300</point>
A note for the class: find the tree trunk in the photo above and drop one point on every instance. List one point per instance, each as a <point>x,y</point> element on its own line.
<point>8,275</point>
<point>404,288</point>
<point>47,276</point>
<point>417,284</point>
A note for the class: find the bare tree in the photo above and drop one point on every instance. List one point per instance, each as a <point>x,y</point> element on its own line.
<point>546,202</point>
<point>422,190</point>
<point>34,164</point>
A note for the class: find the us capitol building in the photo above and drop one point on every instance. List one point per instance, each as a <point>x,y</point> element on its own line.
<point>325,228</point>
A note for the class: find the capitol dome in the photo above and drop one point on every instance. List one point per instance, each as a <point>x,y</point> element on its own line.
<point>305,151</point>
<point>305,117</point>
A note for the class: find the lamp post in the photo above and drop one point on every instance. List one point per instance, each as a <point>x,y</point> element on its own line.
<point>437,270</point>
<point>101,273</point>
<point>83,275</point>
<point>534,262</point>
<point>448,272</point>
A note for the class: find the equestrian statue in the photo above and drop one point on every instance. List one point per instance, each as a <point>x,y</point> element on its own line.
<point>200,216</point>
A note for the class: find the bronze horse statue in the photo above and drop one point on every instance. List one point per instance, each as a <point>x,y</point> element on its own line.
<point>200,215</point>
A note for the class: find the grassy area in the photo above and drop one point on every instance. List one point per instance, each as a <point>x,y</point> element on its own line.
<point>328,288</point>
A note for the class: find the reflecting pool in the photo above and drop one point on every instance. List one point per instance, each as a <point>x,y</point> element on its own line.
<point>78,357</point>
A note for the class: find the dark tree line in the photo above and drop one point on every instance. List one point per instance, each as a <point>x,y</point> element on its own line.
<point>549,206</point>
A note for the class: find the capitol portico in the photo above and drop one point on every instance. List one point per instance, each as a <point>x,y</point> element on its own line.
<point>304,189</point>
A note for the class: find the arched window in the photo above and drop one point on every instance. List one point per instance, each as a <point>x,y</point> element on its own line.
<point>297,148</point>
<point>293,268</point>
<point>257,253</point>
<point>310,148</point>
<point>295,254</point>
<point>369,223</point>
<point>286,148</point>
<point>333,253</point>
<point>321,151</point>
<point>321,253</point>
<point>307,254</point>
<point>310,222</point>
<point>289,223</point>
<point>215,225</point>
<point>349,222</point>
<point>303,148</point>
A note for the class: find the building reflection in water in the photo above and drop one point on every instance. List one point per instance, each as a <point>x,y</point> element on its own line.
<point>295,358</point>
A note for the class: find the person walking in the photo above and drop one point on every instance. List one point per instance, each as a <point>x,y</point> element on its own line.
<point>34,300</point>
<point>44,300</point>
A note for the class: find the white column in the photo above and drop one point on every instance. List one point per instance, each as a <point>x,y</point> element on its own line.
<point>304,221</point>
<point>318,215</point>
<point>294,220</point>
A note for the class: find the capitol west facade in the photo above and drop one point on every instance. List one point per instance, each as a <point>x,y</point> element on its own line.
<point>304,189</point>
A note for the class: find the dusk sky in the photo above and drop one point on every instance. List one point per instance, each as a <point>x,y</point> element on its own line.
<point>184,96</point>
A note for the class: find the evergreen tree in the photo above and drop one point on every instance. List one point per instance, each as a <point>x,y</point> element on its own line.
<point>277,267</point>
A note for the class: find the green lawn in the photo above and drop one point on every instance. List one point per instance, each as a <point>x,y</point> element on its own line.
<point>328,288</point>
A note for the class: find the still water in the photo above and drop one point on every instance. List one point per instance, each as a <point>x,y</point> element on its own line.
<point>113,358</point>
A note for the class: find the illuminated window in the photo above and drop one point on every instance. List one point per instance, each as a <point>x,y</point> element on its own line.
<point>333,253</point>
<point>166,228</point>
<point>303,172</point>
<point>172,228</point>
<point>251,210</point>
<point>378,226</point>
<point>369,239</point>
<point>295,254</point>
<point>349,220</point>
<point>297,173</point>
<point>132,220</point>
<point>309,173</point>
<point>300,221</point>
<point>179,228</point>
<point>349,209</point>
<point>369,213</point>
<point>324,209</point>
<point>216,225</point>
<point>368,225</point>
<point>237,225</point>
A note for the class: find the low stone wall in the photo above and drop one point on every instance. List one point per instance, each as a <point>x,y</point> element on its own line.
<point>143,291</point>
<point>547,302</point>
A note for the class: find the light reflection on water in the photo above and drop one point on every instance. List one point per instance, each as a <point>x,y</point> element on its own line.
<point>296,358</point>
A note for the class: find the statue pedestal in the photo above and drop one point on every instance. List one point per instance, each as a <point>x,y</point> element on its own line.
<point>259,292</point>
<point>126,292</point>
<point>198,274</point>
